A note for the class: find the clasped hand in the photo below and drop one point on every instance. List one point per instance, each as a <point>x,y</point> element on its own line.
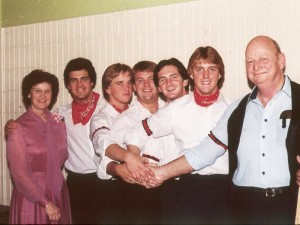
<point>142,171</point>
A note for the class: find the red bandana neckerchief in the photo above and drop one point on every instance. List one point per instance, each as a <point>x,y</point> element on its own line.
<point>118,109</point>
<point>83,111</point>
<point>205,101</point>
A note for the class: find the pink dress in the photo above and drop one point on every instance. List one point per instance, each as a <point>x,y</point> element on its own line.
<point>36,151</point>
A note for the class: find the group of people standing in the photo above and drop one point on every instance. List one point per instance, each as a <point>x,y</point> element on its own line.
<point>178,152</point>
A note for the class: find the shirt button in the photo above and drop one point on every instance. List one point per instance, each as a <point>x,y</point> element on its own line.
<point>263,136</point>
<point>263,173</point>
<point>266,120</point>
<point>263,154</point>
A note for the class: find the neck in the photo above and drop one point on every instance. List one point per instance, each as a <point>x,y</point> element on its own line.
<point>151,106</point>
<point>119,106</point>
<point>40,113</point>
<point>267,92</point>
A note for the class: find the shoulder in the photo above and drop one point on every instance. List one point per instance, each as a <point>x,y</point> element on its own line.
<point>181,102</point>
<point>225,99</point>
<point>63,109</point>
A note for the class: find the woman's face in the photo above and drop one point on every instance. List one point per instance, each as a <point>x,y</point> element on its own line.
<point>40,96</point>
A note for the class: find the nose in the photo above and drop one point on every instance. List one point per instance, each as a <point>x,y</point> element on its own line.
<point>127,86</point>
<point>147,82</point>
<point>256,66</point>
<point>205,73</point>
<point>168,82</point>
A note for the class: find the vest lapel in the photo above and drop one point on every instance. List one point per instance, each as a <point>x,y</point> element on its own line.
<point>234,129</point>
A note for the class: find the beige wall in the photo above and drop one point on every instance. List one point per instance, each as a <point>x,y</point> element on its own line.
<point>151,33</point>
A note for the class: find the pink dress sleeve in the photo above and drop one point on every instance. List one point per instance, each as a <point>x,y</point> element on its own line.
<point>20,170</point>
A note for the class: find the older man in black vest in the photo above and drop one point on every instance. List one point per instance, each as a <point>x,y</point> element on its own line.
<point>261,134</point>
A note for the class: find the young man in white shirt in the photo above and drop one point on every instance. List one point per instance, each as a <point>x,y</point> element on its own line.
<point>117,91</point>
<point>80,79</point>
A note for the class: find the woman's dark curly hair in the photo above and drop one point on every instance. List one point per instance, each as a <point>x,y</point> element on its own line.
<point>36,77</point>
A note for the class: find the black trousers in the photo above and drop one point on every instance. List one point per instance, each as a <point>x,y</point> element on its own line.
<point>195,199</point>
<point>138,204</point>
<point>83,192</point>
<point>249,206</point>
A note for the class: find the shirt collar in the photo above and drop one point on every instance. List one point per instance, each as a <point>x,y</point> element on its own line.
<point>286,89</point>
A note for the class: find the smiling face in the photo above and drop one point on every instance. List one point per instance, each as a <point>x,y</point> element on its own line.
<point>206,76</point>
<point>144,86</point>
<point>40,96</point>
<point>80,85</point>
<point>264,62</point>
<point>170,83</point>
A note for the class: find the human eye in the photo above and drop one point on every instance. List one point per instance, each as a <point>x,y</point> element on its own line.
<point>175,77</point>
<point>213,68</point>
<point>139,81</point>
<point>199,69</point>
<point>162,80</point>
<point>85,79</point>
<point>36,90</point>
<point>119,83</point>
<point>249,61</point>
<point>72,80</point>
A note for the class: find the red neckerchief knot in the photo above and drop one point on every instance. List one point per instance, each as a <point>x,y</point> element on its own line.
<point>205,101</point>
<point>83,111</point>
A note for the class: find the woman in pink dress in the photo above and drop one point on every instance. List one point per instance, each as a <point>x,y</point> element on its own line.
<point>36,151</point>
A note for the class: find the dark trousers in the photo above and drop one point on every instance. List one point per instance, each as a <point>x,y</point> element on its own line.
<point>250,206</point>
<point>138,204</point>
<point>195,199</point>
<point>83,192</point>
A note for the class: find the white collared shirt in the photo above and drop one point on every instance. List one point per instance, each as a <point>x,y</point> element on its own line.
<point>100,135</point>
<point>189,123</point>
<point>82,156</point>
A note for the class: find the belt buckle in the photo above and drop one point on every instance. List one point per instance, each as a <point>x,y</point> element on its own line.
<point>271,192</point>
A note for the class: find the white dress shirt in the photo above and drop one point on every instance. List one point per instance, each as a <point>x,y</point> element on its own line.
<point>188,122</point>
<point>100,135</point>
<point>82,158</point>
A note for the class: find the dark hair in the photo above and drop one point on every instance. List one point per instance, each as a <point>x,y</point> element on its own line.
<point>143,66</point>
<point>36,77</point>
<point>80,64</point>
<point>112,72</point>
<point>210,55</point>
<point>172,62</point>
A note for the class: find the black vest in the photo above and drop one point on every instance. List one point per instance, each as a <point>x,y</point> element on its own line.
<point>235,124</point>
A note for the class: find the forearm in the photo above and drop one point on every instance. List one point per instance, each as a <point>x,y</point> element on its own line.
<point>133,149</point>
<point>115,152</point>
<point>111,168</point>
<point>174,169</point>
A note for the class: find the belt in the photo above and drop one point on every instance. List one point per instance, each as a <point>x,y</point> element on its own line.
<point>268,192</point>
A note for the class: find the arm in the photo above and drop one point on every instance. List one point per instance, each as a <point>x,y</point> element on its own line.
<point>134,162</point>
<point>100,132</point>
<point>159,124</point>
<point>173,169</point>
<point>9,127</point>
<point>120,170</point>
<point>19,168</point>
